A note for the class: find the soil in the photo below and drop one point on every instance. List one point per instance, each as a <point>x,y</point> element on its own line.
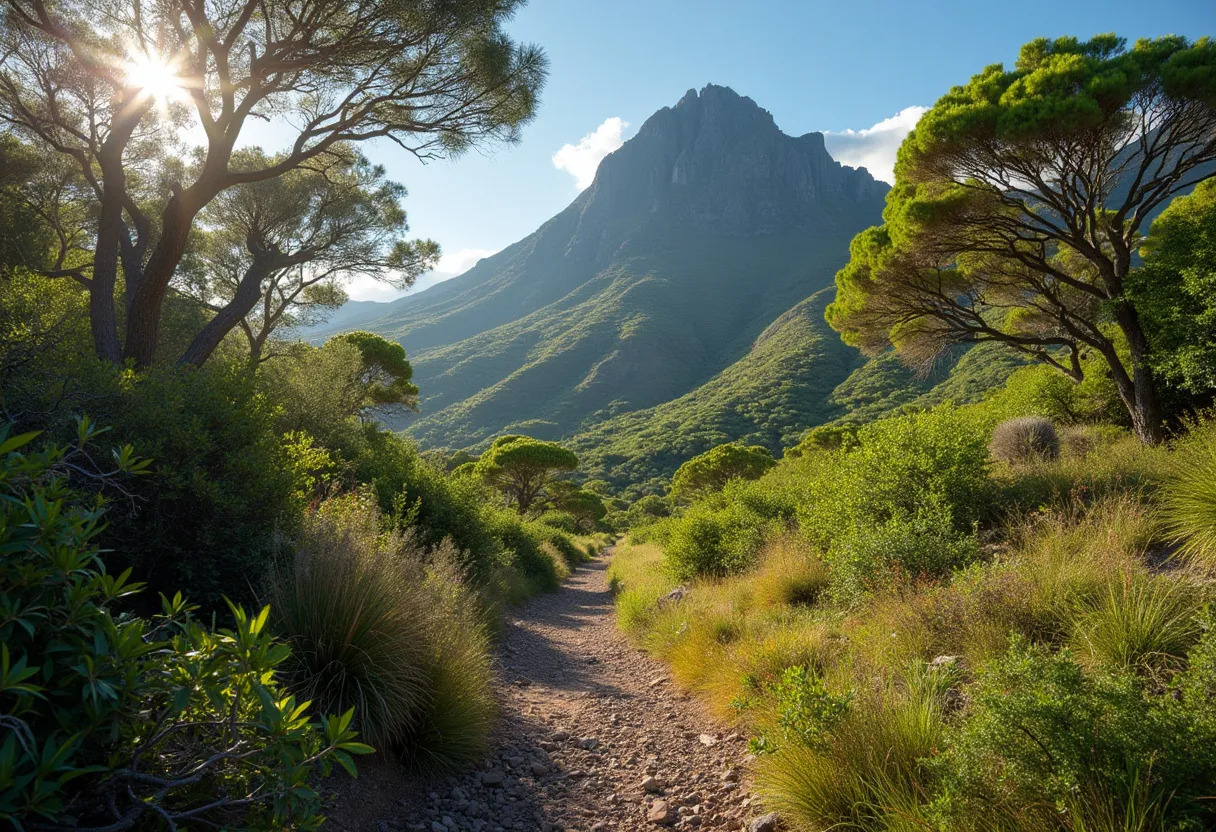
<point>592,737</point>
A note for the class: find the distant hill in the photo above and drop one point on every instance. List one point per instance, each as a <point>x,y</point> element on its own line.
<point>695,236</point>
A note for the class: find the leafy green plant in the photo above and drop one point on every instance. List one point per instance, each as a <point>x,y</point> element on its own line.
<point>806,711</point>
<point>112,720</point>
<point>1045,741</point>
<point>901,549</point>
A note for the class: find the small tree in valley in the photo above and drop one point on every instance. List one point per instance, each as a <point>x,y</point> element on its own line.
<point>522,467</point>
<point>712,470</point>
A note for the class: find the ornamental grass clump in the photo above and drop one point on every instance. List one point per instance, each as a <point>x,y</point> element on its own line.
<point>1189,495</point>
<point>345,598</point>
<point>1025,440</point>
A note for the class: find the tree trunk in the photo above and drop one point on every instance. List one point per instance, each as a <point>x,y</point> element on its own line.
<point>143,316</point>
<point>248,292</point>
<point>1139,391</point>
<point>103,321</point>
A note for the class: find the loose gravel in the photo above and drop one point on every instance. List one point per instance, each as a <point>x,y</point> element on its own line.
<point>592,737</point>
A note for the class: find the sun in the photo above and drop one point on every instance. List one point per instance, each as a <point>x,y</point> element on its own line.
<point>155,76</point>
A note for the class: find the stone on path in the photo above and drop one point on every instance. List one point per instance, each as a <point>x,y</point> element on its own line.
<point>663,814</point>
<point>765,823</point>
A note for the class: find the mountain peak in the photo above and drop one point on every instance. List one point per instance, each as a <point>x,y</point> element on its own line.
<point>717,162</point>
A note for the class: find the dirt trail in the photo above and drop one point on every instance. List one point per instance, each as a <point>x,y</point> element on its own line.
<point>586,720</point>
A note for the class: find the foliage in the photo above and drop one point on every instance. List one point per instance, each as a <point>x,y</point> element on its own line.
<point>452,729</point>
<point>1141,623</point>
<point>900,550</point>
<point>1176,290</point>
<point>1025,439</point>
<point>586,507</point>
<point>716,538</point>
<point>385,374</point>
<point>222,482</point>
<point>900,467</point>
<point>276,253</point>
<point>114,720</point>
<point>27,240</point>
<point>975,247</point>
<point>806,711</point>
<point>563,520</point>
<point>1189,495</point>
<point>712,470</point>
<point>437,81</point>
<point>1044,737</point>
<point>522,467</point>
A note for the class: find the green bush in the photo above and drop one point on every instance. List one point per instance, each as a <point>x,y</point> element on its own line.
<point>1045,742</point>
<point>865,765</point>
<point>221,485</point>
<point>116,721</point>
<point>714,540</point>
<point>522,550</point>
<point>561,520</point>
<point>897,551</point>
<point>899,466</point>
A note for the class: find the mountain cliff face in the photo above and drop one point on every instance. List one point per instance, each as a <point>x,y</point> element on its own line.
<point>695,235</point>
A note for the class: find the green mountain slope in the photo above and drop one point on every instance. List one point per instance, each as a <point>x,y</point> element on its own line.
<point>694,237</point>
<point>797,375</point>
<point>770,397</point>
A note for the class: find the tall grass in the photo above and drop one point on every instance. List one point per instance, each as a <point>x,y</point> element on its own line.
<point>377,624</point>
<point>461,707</point>
<point>345,599</point>
<point>1142,622</point>
<point>1189,496</point>
<point>869,772</point>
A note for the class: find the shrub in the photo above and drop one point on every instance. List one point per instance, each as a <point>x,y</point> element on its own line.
<point>221,486</point>
<point>561,520</point>
<point>115,721</point>
<point>712,541</point>
<point>1044,738</point>
<point>1189,494</point>
<point>901,549</point>
<point>522,549</point>
<point>345,598</point>
<point>1024,440</point>
<point>898,466</point>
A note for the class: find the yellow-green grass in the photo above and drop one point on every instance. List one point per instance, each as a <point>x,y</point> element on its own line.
<point>1083,573</point>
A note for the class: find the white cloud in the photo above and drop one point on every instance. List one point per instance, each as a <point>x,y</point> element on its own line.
<point>581,160</point>
<point>450,265</point>
<point>874,147</point>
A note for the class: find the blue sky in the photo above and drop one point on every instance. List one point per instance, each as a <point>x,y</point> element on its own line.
<point>832,67</point>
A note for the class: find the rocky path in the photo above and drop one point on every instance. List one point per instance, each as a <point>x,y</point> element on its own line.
<point>592,737</point>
